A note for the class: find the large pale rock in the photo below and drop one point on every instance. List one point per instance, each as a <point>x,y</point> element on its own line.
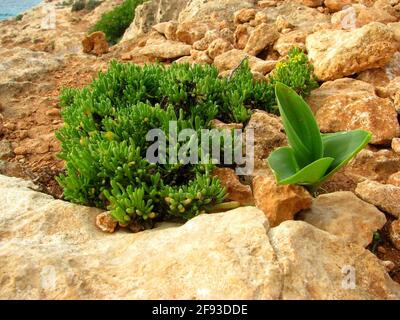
<point>268,135</point>
<point>164,50</point>
<point>384,196</point>
<point>242,35</point>
<point>377,165</point>
<point>279,202</point>
<point>52,250</point>
<point>261,38</point>
<point>340,272</point>
<point>213,10</point>
<point>339,53</point>
<point>348,104</point>
<point>376,115</point>
<point>151,13</point>
<point>346,216</point>
<point>231,59</point>
<point>340,92</point>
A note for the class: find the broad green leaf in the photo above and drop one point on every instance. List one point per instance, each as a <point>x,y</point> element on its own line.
<point>283,163</point>
<point>311,174</point>
<point>343,146</point>
<point>300,125</point>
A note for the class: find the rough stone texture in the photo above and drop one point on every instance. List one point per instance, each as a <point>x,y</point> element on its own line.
<point>151,13</point>
<point>340,92</point>
<point>377,165</point>
<point>268,135</point>
<point>384,196</point>
<point>363,15</point>
<point>190,32</point>
<point>52,250</point>
<point>295,242</point>
<point>167,29</point>
<point>290,40</point>
<point>164,49</point>
<point>336,5</point>
<point>242,35</point>
<point>95,43</point>
<point>6,150</point>
<point>237,191</point>
<point>346,216</point>
<point>338,53</point>
<point>279,202</point>
<point>396,145</point>
<point>244,15</point>
<point>394,233</point>
<point>299,16</point>
<point>203,10</point>
<point>262,37</point>
<point>105,222</point>
<point>376,115</point>
<point>218,47</point>
<point>311,3</point>
<point>200,57</point>
<point>231,59</point>
<point>394,179</point>
<point>348,104</point>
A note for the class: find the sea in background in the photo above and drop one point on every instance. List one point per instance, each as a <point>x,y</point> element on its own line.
<point>11,8</point>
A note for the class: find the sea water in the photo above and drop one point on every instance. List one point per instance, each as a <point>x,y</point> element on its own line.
<point>11,8</point>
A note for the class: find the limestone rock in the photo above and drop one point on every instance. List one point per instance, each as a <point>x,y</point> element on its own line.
<point>384,196</point>
<point>311,3</point>
<point>6,150</point>
<point>337,5</point>
<point>237,191</point>
<point>190,32</point>
<point>213,10</point>
<point>338,53</point>
<point>394,233</point>
<point>396,145</point>
<point>346,216</point>
<point>339,272</point>
<point>242,35</point>
<point>287,41</point>
<point>377,165</point>
<point>231,59</point>
<point>374,114</point>
<point>218,47</point>
<point>244,15</point>
<point>167,29</point>
<point>151,13</point>
<point>163,50</point>
<point>200,57</point>
<point>362,15</point>
<point>95,43</point>
<point>279,202</point>
<point>208,38</point>
<point>233,255</point>
<point>261,38</point>
<point>105,222</point>
<point>348,104</point>
<point>394,179</point>
<point>268,135</point>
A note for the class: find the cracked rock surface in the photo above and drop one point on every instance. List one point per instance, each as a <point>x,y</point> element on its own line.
<point>50,249</point>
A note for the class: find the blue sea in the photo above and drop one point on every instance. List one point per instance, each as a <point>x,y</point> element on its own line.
<point>11,8</point>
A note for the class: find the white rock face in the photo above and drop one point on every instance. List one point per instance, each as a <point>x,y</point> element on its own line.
<point>345,215</point>
<point>52,250</point>
<point>339,53</point>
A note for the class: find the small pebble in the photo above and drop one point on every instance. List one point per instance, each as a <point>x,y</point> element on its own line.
<point>389,265</point>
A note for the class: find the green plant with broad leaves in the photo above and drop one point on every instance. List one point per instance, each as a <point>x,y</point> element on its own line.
<point>311,157</point>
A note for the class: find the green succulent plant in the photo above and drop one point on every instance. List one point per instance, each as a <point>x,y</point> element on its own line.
<point>311,157</point>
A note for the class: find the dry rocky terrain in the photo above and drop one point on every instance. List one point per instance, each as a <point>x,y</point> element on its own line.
<point>283,243</point>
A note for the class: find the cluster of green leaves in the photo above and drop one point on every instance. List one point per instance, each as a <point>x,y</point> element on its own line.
<point>79,5</point>
<point>115,22</point>
<point>296,73</point>
<point>104,145</point>
<point>311,157</point>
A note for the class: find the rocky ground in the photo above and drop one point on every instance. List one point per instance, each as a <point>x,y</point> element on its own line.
<point>293,245</point>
